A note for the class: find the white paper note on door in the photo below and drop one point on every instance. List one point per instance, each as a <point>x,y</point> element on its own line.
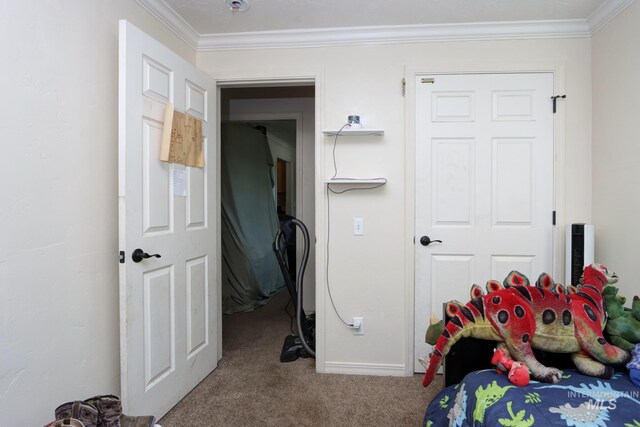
<point>179,182</point>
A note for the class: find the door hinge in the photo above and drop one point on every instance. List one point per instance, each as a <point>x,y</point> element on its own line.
<point>121,257</point>
<point>404,86</point>
<point>553,218</point>
<point>555,99</point>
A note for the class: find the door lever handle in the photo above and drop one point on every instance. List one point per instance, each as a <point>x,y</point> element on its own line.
<point>426,241</point>
<point>138,255</point>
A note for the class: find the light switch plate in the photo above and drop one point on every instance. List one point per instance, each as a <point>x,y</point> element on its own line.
<point>358,226</point>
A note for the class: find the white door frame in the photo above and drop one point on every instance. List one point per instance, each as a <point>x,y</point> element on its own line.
<point>242,78</point>
<point>411,72</point>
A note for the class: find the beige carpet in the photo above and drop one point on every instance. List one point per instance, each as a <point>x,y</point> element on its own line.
<point>251,387</point>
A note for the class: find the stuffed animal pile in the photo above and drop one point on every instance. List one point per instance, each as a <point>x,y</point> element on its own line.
<point>545,316</point>
<point>623,326</point>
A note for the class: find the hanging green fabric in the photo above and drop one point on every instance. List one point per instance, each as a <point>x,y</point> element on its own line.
<point>250,272</point>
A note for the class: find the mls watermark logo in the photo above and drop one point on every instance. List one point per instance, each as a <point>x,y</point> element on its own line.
<point>599,405</point>
<point>603,399</point>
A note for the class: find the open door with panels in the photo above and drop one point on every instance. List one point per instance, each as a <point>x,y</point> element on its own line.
<point>168,231</point>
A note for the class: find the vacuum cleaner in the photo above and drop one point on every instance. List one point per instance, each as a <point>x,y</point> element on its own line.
<point>302,345</point>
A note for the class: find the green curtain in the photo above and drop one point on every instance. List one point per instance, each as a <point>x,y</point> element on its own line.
<point>250,271</point>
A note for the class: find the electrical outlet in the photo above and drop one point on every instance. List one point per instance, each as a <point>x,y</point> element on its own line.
<point>358,226</point>
<point>358,326</point>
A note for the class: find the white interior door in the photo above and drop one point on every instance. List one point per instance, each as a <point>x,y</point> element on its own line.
<point>168,305</point>
<point>484,185</point>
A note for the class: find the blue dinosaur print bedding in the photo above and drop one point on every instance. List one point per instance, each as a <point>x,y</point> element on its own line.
<point>486,398</point>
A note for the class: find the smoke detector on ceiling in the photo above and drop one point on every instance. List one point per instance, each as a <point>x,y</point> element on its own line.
<point>237,5</point>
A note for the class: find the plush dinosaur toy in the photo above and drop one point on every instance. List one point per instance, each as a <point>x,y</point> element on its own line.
<point>517,372</point>
<point>623,326</point>
<point>434,330</point>
<point>545,317</point>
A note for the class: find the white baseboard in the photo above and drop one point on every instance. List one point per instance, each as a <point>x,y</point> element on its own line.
<point>378,369</point>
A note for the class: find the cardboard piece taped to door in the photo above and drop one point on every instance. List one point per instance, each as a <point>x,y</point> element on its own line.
<point>181,139</point>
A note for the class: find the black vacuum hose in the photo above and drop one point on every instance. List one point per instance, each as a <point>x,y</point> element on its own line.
<point>280,239</point>
<point>303,266</point>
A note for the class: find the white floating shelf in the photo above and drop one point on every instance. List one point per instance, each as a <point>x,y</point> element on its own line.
<point>354,132</point>
<point>356,181</point>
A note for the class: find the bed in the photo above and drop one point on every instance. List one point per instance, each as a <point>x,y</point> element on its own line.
<point>486,398</point>
<point>476,395</point>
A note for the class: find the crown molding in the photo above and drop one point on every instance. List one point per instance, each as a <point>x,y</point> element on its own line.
<point>169,17</point>
<point>605,13</point>
<point>346,36</point>
<point>393,34</point>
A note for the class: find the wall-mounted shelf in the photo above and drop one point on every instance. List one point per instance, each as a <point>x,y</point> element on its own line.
<point>356,181</point>
<point>354,132</point>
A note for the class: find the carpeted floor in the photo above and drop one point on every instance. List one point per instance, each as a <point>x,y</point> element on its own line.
<point>251,387</point>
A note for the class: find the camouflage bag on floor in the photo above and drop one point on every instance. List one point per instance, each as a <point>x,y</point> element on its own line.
<point>97,411</point>
<point>67,422</point>
<point>109,409</point>
<point>86,413</point>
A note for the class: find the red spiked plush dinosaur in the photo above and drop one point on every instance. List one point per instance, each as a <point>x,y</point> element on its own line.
<point>544,316</point>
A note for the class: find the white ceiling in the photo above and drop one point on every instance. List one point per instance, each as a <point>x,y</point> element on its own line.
<point>214,17</point>
<point>208,25</point>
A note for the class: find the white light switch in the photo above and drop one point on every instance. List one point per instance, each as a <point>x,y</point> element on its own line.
<point>358,226</point>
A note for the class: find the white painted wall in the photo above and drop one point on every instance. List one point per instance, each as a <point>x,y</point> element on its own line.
<point>306,159</point>
<point>59,336</point>
<point>616,146</point>
<point>371,276</point>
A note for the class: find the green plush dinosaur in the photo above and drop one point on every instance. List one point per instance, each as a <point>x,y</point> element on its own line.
<point>623,326</point>
<point>436,326</point>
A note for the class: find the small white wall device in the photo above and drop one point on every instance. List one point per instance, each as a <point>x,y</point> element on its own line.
<point>580,251</point>
<point>354,122</point>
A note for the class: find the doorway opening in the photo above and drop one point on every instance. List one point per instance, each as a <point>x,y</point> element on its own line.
<point>283,117</point>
